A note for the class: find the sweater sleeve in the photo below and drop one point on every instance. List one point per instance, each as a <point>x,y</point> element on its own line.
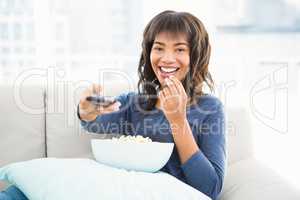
<point>114,122</point>
<point>205,169</point>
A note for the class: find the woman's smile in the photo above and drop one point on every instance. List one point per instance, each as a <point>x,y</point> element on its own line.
<point>166,71</point>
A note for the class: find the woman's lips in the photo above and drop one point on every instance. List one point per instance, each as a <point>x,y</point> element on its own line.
<point>166,74</point>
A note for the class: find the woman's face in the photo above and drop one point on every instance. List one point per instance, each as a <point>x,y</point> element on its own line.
<point>170,55</point>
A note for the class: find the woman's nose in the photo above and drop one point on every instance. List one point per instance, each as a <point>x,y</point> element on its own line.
<point>168,57</point>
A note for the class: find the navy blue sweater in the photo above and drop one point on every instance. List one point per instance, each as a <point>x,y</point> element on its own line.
<point>205,169</point>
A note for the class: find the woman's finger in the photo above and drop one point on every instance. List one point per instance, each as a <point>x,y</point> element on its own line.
<point>178,84</point>
<point>96,89</point>
<point>163,90</point>
<point>91,90</point>
<point>166,92</point>
<point>172,87</point>
<point>88,112</point>
<point>161,96</point>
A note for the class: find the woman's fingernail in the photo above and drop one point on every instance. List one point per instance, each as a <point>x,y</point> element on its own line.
<point>168,81</point>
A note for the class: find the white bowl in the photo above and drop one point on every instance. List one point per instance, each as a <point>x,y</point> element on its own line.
<point>147,157</point>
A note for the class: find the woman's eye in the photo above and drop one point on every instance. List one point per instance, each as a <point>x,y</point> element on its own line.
<point>181,50</point>
<point>158,48</point>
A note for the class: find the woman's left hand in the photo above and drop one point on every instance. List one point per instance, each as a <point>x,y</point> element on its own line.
<point>173,100</point>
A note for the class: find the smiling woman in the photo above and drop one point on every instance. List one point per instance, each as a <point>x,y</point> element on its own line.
<point>173,69</point>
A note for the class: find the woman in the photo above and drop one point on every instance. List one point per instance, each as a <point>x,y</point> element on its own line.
<point>170,105</point>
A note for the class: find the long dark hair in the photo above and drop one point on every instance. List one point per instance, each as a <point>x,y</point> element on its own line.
<point>176,23</point>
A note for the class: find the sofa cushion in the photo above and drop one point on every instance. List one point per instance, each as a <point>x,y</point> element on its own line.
<point>249,179</point>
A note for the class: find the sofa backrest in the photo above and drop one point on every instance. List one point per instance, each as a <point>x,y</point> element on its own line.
<point>239,134</point>
<point>22,123</point>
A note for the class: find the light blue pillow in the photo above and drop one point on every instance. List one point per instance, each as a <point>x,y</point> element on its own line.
<point>78,179</point>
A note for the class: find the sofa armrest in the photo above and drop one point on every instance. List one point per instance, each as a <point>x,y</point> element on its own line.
<point>250,179</point>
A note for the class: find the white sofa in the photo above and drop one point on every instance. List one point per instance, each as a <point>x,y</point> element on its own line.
<point>37,122</point>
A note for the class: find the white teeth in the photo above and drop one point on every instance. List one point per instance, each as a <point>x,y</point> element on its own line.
<point>168,70</point>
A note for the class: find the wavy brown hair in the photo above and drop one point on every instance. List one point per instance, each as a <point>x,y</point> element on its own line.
<point>200,49</point>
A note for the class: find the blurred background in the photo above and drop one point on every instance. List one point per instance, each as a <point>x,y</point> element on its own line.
<point>255,55</point>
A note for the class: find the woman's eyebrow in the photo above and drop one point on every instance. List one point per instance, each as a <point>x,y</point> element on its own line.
<point>181,43</point>
<point>160,43</point>
<point>176,44</point>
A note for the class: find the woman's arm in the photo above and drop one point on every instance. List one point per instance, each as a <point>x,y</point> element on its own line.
<point>203,164</point>
<point>203,161</point>
<point>184,139</point>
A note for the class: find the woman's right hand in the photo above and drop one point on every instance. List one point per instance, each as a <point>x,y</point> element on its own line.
<point>88,111</point>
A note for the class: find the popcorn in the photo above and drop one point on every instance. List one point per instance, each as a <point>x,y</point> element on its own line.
<point>130,138</point>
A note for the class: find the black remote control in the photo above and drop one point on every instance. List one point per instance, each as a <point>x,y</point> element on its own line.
<point>101,100</point>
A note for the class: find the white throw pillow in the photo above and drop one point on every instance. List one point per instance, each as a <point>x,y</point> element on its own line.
<point>78,179</point>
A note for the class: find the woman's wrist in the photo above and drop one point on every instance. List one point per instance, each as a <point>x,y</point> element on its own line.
<point>179,125</point>
<point>179,121</point>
